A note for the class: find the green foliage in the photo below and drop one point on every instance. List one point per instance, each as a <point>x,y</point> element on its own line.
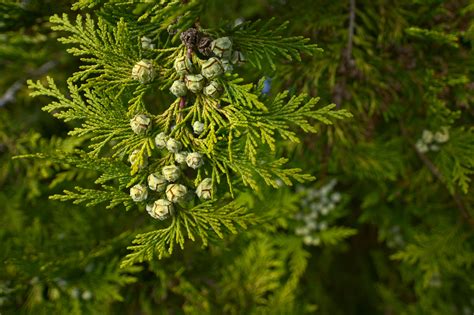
<point>108,53</point>
<point>456,161</point>
<point>445,252</point>
<point>259,281</point>
<point>263,41</point>
<point>336,234</point>
<point>100,91</point>
<point>435,36</point>
<point>192,224</point>
<point>101,122</point>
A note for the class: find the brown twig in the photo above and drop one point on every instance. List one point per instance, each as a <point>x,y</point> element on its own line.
<point>10,93</point>
<point>351,30</point>
<point>347,63</point>
<point>339,91</point>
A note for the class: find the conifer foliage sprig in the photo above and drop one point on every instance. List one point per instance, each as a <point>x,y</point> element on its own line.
<point>263,42</point>
<point>108,54</point>
<point>217,127</point>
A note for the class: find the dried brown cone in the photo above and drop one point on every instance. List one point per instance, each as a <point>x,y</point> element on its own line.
<point>204,46</point>
<point>190,38</point>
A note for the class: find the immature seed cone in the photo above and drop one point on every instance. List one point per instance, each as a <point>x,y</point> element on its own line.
<point>160,209</point>
<point>173,145</point>
<point>222,47</point>
<point>171,173</point>
<point>176,192</point>
<point>212,68</point>
<point>442,136</point>
<point>194,160</point>
<point>160,140</point>
<point>198,127</point>
<point>140,123</point>
<point>143,71</point>
<point>157,182</point>
<point>183,65</point>
<point>427,136</point>
<point>421,146</point>
<point>178,88</point>
<point>180,157</point>
<point>138,192</point>
<point>194,82</point>
<point>214,89</point>
<point>204,189</point>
